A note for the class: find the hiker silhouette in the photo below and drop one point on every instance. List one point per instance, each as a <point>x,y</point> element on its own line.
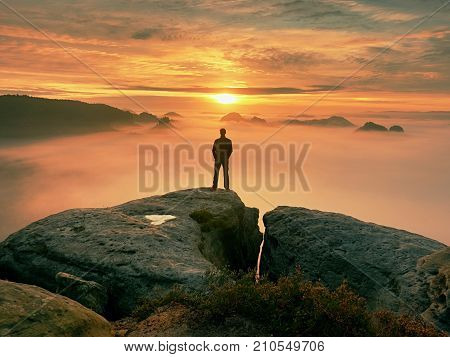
<point>222,149</point>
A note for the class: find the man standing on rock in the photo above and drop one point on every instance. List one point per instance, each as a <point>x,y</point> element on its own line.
<point>222,149</point>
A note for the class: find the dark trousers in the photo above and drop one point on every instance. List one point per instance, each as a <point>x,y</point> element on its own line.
<point>226,179</point>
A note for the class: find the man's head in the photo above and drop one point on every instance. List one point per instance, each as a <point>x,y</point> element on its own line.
<point>223,131</point>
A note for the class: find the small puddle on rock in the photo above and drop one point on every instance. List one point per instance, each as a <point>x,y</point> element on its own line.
<point>158,219</point>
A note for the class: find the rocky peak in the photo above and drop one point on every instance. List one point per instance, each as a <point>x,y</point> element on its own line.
<point>125,252</point>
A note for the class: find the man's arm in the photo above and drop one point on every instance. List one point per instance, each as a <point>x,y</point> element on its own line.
<point>214,150</point>
<point>230,148</point>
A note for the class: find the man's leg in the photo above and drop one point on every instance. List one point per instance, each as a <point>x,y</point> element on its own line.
<point>226,179</point>
<point>216,174</point>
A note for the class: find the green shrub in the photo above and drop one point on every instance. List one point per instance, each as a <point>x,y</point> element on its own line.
<point>387,323</point>
<point>290,306</point>
<point>146,307</point>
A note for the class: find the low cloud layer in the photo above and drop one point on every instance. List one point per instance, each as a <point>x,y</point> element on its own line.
<point>233,90</point>
<point>394,180</point>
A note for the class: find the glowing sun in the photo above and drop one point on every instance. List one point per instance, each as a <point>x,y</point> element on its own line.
<point>225,98</point>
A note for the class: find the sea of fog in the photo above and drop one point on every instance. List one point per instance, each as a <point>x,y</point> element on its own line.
<point>397,180</point>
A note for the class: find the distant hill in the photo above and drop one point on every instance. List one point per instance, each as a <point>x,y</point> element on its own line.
<point>334,121</point>
<point>396,129</point>
<point>148,117</point>
<point>236,117</point>
<point>301,116</point>
<point>164,123</point>
<point>232,117</point>
<point>30,117</point>
<point>173,115</point>
<point>371,126</point>
<point>259,121</point>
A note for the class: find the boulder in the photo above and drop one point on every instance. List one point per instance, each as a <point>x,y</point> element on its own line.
<point>380,263</point>
<point>121,249</point>
<point>30,311</point>
<point>435,270</point>
<point>88,293</point>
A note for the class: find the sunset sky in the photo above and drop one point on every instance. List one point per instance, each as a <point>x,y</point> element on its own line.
<point>383,61</point>
<point>276,56</point>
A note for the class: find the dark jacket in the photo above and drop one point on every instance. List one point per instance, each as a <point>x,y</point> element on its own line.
<point>222,149</point>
